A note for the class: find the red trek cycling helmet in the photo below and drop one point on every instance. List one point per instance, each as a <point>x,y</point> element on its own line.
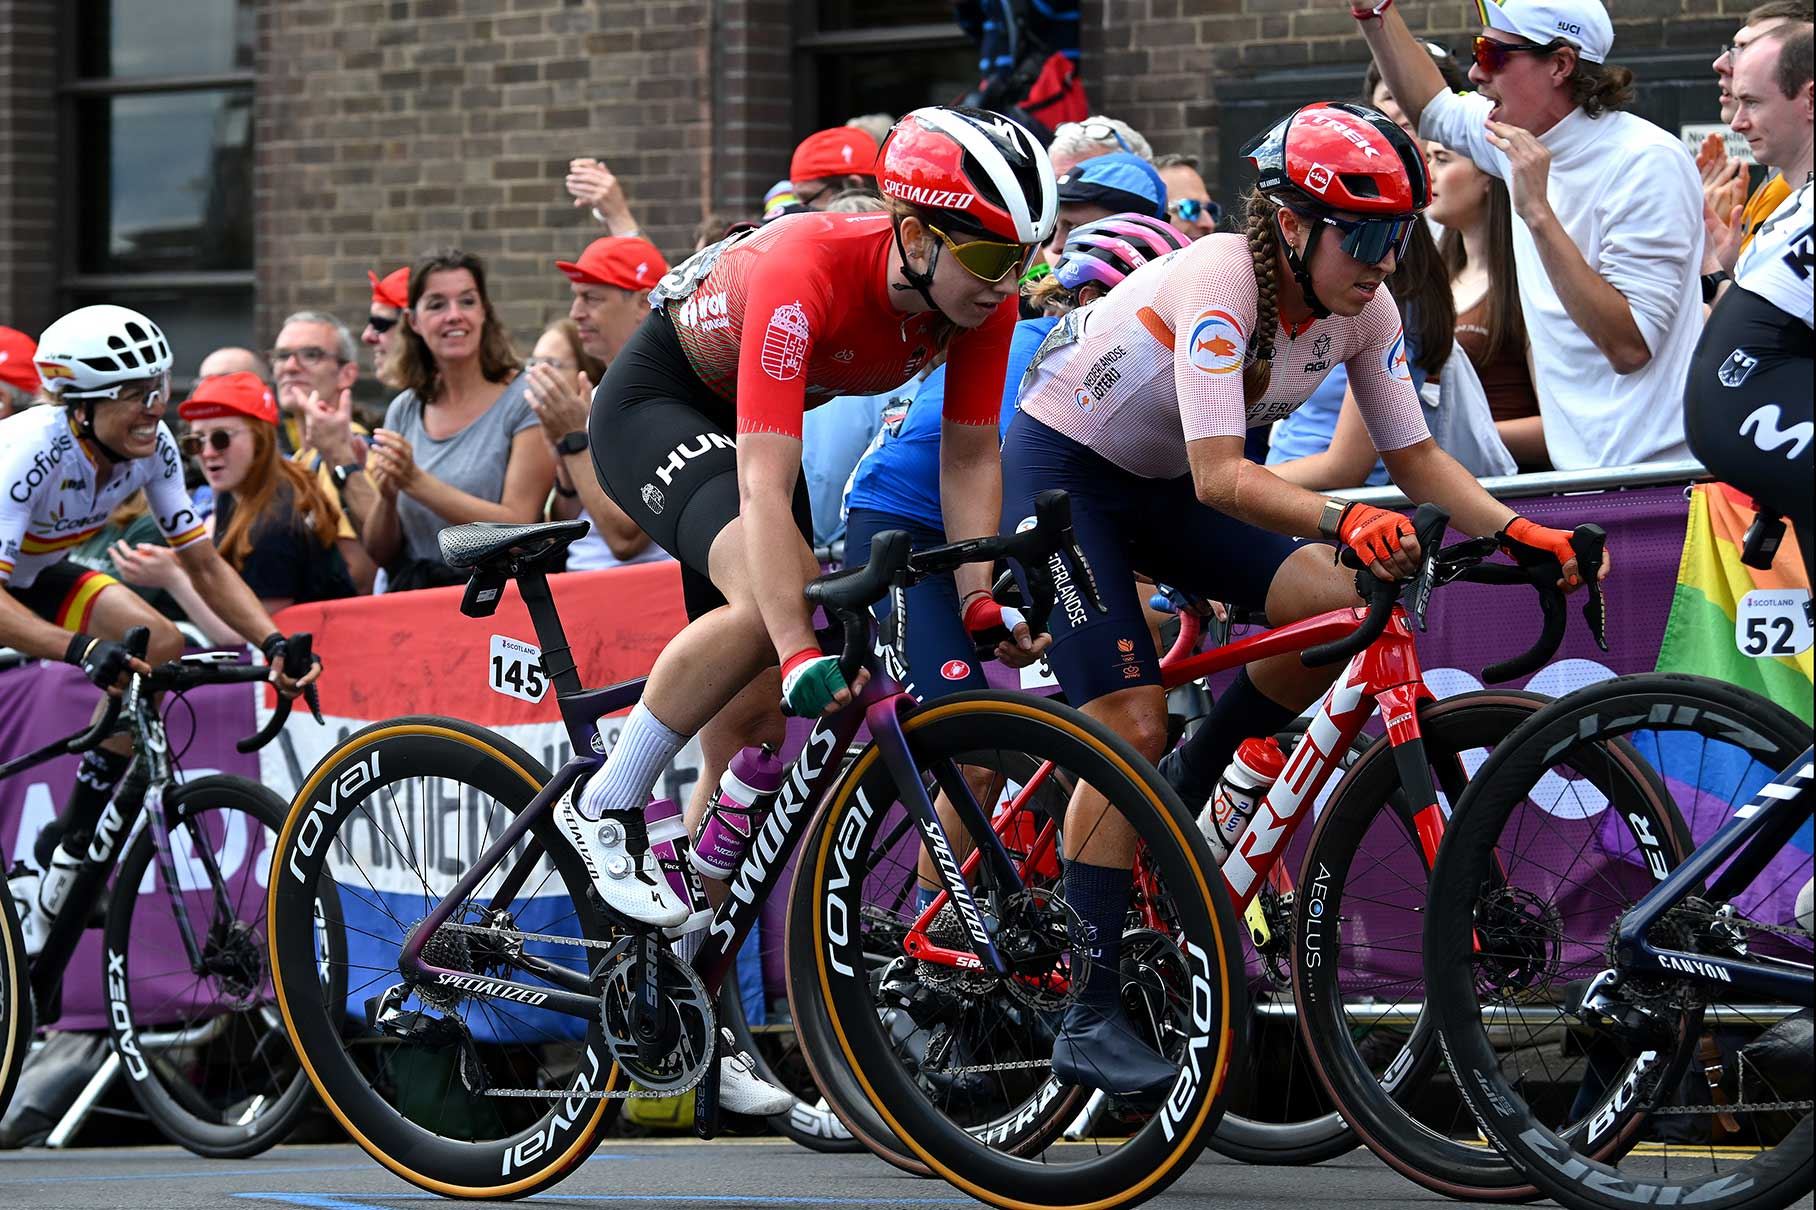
<point>1332,158</point>
<point>976,177</point>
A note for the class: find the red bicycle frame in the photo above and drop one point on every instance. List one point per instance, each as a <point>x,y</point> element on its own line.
<point>1386,672</point>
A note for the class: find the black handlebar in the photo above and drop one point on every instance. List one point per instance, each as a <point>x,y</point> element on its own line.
<point>847,596</point>
<point>297,661</point>
<point>137,640</point>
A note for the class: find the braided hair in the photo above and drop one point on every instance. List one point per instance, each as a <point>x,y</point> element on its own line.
<point>1264,248</point>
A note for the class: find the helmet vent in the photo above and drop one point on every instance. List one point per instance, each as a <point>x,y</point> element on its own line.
<point>1360,184</point>
<point>106,365</point>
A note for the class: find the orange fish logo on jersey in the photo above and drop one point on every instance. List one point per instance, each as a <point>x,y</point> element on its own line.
<point>1217,342</point>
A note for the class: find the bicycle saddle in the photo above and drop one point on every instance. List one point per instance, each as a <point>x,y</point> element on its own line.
<point>494,546</point>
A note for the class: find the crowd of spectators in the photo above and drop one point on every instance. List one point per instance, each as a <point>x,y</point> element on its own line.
<point>1550,303</point>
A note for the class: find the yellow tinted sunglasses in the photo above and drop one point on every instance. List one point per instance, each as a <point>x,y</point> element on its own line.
<point>985,259</point>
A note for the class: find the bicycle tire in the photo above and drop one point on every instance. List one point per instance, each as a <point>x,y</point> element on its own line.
<point>205,1055</point>
<point>15,1001</point>
<point>852,1048</point>
<point>532,1152</point>
<point>1769,736</point>
<point>1368,813</point>
<point>1267,1141</point>
<point>814,1124</point>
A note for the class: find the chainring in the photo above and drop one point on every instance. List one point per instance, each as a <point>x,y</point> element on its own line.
<point>687,1027</point>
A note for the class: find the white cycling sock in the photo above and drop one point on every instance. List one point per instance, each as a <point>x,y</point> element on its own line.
<point>645,747</point>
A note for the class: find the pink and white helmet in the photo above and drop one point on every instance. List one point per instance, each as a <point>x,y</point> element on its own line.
<point>1107,250</point>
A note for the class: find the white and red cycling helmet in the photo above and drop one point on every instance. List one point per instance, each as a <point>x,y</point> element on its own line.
<point>978,172</point>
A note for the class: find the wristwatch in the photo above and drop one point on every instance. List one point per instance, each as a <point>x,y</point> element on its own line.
<point>1712,282</point>
<point>1331,517</point>
<point>342,473</point>
<point>574,443</point>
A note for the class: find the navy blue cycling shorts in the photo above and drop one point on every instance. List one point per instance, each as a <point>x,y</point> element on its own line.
<point>1127,524</point>
<point>941,656</point>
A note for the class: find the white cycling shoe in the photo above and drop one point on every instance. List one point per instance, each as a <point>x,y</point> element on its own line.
<point>632,886</point>
<point>740,1088</point>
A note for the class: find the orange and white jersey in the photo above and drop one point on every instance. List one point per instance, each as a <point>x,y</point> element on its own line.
<point>1158,362</point>
<point>50,499</point>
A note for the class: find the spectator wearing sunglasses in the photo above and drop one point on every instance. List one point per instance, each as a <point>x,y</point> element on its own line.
<point>829,162</point>
<point>1608,244</point>
<point>1189,205</point>
<point>1725,177</point>
<point>272,522</point>
<point>390,299</point>
<point>316,362</point>
<point>1075,142</point>
<point>1119,183</point>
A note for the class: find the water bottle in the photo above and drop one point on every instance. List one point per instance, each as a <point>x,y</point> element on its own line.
<point>746,793</point>
<point>1244,783</point>
<point>668,845</point>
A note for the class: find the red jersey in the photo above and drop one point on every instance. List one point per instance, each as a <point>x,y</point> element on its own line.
<point>799,312</point>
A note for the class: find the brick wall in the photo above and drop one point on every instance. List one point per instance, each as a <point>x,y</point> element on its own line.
<point>1177,70</point>
<point>389,127</point>
<point>28,149</point>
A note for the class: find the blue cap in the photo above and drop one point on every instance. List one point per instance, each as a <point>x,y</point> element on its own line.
<point>1121,181</point>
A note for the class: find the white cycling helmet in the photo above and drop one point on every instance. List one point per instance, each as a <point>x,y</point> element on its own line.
<point>95,351</point>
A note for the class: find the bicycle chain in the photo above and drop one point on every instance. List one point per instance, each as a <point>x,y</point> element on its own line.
<point>981,1067</point>
<point>1742,1107</point>
<point>629,1094</point>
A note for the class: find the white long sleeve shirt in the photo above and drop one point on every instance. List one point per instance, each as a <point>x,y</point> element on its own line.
<point>1627,195</point>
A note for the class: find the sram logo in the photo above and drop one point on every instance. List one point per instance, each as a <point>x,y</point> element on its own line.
<point>309,833</point>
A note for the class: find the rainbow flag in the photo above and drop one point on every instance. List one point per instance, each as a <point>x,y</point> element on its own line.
<point>1711,581</point>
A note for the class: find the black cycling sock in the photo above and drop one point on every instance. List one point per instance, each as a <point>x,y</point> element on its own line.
<point>1240,712</point>
<point>96,777</point>
<point>1100,896</point>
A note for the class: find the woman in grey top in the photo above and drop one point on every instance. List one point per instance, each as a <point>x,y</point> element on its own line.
<point>460,442</point>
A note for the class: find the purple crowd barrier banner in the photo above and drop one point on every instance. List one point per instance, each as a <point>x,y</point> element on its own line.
<point>40,703</point>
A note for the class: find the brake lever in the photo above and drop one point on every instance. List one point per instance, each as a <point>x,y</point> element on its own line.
<point>1591,543</point>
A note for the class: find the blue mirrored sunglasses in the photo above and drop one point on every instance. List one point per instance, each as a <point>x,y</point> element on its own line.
<point>1190,210</point>
<point>1369,240</point>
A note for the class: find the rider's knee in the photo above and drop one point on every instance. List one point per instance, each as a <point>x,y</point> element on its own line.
<point>1138,717</point>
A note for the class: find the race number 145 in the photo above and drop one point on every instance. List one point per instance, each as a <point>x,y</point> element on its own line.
<point>515,669</point>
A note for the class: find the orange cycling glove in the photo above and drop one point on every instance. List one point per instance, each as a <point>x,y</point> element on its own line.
<point>1553,542</point>
<point>1373,533</point>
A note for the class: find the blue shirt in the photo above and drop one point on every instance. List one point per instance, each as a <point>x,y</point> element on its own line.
<point>833,437</point>
<point>901,473</point>
<point>1308,429</point>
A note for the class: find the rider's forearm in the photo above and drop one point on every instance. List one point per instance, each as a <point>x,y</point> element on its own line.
<point>26,632</point>
<point>777,582</point>
<point>1426,473</point>
<point>1247,491</point>
<point>971,493</point>
<point>223,589</point>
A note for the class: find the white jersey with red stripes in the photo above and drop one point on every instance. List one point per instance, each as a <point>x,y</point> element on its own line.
<point>1158,362</point>
<point>52,499</point>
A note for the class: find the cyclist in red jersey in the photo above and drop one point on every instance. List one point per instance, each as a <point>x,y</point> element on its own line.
<point>696,433</point>
<point>1138,405</point>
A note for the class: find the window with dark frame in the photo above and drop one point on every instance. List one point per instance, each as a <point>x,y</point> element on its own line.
<point>157,205</point>
<point>877,56</point>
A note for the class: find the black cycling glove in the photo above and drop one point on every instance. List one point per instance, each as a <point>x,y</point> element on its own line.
<point>102,661</point>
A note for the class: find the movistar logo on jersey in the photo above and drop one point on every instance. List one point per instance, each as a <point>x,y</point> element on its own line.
<point>937,199</point>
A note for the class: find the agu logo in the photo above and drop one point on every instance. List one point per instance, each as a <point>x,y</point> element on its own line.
<point>1217,343</point>
<point>1395,361</point>
<point>955,670</point>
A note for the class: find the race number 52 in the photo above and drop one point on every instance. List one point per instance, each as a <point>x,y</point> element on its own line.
<point>1773,622</point>
<point>515,670</point>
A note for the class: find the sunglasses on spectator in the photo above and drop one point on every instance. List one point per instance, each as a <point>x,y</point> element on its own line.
<point>1492,56</point>
<point>216,439</point>
<point>987,259</point>
<point>381,323</point>
<point>309,355</point>
<point>1103,132</point>
<point>1191,210</point>
<point>1369,240</point>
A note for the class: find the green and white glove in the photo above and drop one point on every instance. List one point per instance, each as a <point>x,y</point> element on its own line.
<point>810,682</point>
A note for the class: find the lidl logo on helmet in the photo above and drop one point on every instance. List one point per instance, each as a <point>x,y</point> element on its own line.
<point>1318,178</point>
<point>1217,342</point>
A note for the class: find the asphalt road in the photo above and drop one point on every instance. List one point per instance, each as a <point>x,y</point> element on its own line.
<point>760,1174</point>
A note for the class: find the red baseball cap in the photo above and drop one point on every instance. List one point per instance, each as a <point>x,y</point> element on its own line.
<point>841,151</point>
<point>617,260</point>
<point>17,351</point>
<point>241,393</point>
<point>393,289</point>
